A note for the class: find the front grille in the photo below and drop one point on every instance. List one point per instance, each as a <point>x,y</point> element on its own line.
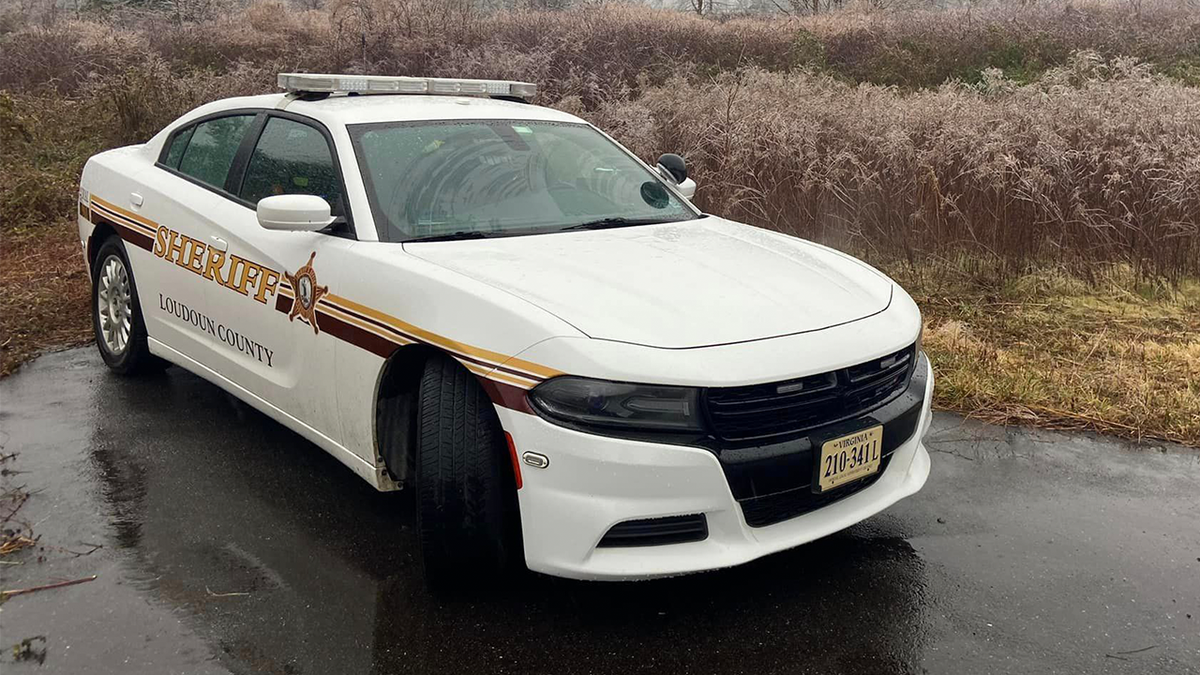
<point>781,506</point>
<point>657,531</point>
<point>768,411</point>
<point>770,491</point>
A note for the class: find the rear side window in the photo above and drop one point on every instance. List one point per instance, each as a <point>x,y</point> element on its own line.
<point>291,158</point>
<point>211,148</point>
<point>175,152</point>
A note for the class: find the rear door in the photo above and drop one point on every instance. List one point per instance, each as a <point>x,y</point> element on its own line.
<point>272,342</point>
<point>180,198</point>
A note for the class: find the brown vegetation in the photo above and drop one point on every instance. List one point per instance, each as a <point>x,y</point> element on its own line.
<point>1112,354</point>
<point>1097,162</point>
<point>45,298</point>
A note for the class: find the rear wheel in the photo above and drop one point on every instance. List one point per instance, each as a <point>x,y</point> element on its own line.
<point>117,315</point>
<point>467,512</point>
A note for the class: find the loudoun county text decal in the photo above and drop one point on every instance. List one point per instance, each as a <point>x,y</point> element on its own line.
<point>220,331</point>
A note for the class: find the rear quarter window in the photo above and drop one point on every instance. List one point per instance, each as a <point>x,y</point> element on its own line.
<point>178,144</point>
<point>210,150</point>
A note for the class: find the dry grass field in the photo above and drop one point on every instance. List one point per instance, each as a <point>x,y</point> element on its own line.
<point>1030,174</point>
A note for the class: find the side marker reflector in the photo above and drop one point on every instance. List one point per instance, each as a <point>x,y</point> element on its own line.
<point>512,455</point>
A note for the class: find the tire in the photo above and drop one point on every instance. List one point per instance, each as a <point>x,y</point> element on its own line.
<point>130,355</point>
<point>467,513</point>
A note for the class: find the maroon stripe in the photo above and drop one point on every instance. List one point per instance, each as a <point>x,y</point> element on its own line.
<point>354,335</point>
<point>535,378</point>
<point>343,330</point>
<point>85,211</point>
<point>513,398</point>
<point>377,323</point>
<point>461,357</point>
<point>502,394</point>
<point>119,217</point>
<point>127,233</point>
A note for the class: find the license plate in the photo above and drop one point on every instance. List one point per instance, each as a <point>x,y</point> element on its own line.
<point>849,458</point>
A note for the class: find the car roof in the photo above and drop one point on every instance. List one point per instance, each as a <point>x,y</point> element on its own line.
<point>340,109</point>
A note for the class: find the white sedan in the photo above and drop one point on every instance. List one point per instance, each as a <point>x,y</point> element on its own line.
<point>496,304</point>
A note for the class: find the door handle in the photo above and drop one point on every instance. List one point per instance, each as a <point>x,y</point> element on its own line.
<point>135,199</point>
<point>219,243</point>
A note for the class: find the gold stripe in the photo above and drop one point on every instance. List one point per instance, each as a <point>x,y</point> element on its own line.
<point>484,371</point>
<point>354,321</point>
<point>122,220</point>
<point>495,358</point>
<point>128,214</point>
<point>511,379</point>
<point>475,367</point>
<point>481,369</point>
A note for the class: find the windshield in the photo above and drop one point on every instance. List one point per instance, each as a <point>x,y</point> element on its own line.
<point>481,178</point>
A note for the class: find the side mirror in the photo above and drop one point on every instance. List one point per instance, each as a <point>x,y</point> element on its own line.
<point>688,188</point>
<point>674,166</point>
<point>294,213</point>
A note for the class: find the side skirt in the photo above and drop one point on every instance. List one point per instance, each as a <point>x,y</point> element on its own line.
<point>376,475</point>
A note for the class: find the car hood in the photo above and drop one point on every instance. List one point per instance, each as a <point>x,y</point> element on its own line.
<point>675,285</point>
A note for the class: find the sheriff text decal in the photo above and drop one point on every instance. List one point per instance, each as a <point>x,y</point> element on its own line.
<point>229,270</point>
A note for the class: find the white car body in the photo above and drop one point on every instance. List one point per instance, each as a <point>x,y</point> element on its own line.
<point>706,303</point>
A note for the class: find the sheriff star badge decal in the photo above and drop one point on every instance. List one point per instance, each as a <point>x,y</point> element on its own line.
<point>305,293</point>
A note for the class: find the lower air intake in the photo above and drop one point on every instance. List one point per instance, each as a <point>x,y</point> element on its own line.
<point>657,531</point>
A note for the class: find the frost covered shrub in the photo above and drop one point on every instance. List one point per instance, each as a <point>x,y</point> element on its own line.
<point>1098,161</point>
<point>592,49</point>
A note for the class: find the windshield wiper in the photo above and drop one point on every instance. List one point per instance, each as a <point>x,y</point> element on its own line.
<point>453,236</point>
<point>605,223</point>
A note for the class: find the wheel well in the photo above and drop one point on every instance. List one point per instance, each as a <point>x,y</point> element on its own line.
<point>395,406</point>
<point>100,234</point>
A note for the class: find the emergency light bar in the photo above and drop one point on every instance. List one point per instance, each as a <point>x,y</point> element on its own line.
<point>381,84</point>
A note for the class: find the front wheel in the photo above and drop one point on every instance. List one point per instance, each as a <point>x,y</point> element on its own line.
<point>116,314</point>
<point>467,512</point>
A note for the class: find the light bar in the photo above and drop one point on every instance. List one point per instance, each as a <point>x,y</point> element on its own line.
<point>382,84</point>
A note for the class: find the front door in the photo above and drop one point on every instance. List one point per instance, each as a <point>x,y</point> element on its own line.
<point>270,338</point>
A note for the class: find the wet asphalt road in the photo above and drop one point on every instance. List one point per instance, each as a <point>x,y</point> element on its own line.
<point>232,545</point>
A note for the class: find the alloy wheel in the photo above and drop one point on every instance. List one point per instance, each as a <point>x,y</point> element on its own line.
<point>114,305</point>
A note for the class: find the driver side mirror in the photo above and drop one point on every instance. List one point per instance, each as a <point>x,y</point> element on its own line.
<point>674,168</point>
<point>294,213</point>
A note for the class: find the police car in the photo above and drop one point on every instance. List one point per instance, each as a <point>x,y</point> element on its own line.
<point>497,305</point>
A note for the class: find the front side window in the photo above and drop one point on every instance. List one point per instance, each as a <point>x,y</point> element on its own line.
<point>291,158</point>
<point>210,151</point>
<point>447,179</point>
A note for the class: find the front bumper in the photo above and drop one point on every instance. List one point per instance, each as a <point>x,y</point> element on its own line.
<point>594,482</point>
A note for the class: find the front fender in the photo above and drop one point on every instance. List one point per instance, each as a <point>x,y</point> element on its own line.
<point>398,301</point>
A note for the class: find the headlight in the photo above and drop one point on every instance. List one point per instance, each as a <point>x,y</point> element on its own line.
<point>579,401</point>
